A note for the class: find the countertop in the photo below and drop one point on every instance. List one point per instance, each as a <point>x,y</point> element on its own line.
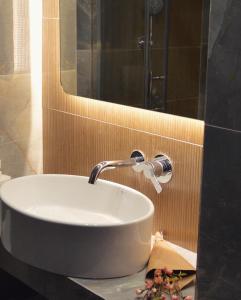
<point>120,288</point>
<point>58,287</point>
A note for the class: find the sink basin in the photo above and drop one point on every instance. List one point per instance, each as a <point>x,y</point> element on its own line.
<point>62,224</point>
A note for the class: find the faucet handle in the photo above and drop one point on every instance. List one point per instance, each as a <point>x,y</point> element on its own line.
<point>158,170</point>
<point>162,168</point>
<point>149,173</point>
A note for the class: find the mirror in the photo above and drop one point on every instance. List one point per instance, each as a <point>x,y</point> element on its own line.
<point>144,53</point>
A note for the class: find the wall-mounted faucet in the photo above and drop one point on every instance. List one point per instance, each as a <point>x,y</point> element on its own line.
<point>159,170</point>
<point>136,158</point>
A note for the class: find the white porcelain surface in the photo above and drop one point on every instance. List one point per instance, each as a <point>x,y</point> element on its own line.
<point>62,224</point>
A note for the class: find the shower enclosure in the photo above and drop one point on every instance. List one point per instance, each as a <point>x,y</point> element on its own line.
<point>142,53</point>
<point>129,51</point>
<point>155,84</point>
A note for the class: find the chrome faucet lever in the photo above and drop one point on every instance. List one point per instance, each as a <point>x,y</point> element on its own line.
<point>136,158</point>
<point>159,170</point>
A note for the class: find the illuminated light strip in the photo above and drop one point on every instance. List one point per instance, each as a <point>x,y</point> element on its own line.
<point>35,27</point>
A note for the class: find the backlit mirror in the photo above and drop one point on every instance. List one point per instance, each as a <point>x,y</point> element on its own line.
<point>144,53</point>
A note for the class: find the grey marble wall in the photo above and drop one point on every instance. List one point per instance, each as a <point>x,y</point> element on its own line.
<point>20,132</point>
<point>219,261</point>
<point>20,116</point>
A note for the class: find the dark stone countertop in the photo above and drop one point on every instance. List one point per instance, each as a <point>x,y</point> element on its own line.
<point>120,288</point>
<point>58,287</point>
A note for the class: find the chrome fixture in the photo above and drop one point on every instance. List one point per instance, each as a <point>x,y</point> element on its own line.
<point>155,93</point>
<point>156,7</point>
<point>159,170</point>
<point>141,42</point>
<point>136,158</point>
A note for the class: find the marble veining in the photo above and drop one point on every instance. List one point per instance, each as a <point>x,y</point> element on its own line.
<point>216,21</point>
<point>20,138</point>
<point>219,259</point>
<point>224,65</point>
<point>219,256</point>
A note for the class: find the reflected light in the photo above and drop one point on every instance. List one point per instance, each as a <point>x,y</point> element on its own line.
<point>35,27</point>
<point>20,36</point>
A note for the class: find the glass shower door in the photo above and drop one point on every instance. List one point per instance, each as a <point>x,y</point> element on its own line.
<point>122,60</point>
<point>129,61</point>
<point>156,53</point>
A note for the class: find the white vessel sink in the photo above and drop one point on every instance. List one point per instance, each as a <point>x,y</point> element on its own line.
<point>62,224</point>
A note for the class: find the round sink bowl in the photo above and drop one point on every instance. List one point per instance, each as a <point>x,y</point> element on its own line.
<point>62,224</point>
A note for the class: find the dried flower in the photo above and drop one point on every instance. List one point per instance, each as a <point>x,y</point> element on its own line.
<point>139,291</point>
<point>169,284</point>
<point>158,276</point>
<point>169,272</point>
<point>149,283</point>
<point>162,284</point>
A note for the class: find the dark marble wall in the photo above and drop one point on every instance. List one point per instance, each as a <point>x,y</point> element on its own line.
<point>219,259</point>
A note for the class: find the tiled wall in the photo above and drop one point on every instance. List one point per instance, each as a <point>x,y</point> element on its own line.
<point>184,57</point>
<point>80,132</point>
<point>20,145</point>
<point>219,263</point>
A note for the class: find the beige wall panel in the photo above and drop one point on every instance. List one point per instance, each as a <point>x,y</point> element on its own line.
<point>54,97</point>
<point>74,144</point>
<point>80,132</point>
<point>50,8</point>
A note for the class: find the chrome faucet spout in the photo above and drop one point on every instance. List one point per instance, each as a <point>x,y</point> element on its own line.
<point>136,158</point>
<point>159,170</point>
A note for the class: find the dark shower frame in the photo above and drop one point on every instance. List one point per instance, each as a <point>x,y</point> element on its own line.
<point>148,74</point>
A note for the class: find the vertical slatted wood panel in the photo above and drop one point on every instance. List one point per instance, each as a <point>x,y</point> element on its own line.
<point>80,132</point>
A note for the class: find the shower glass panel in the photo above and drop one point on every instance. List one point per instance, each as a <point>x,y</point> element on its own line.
<point>122,51</point>
<point>122,61</point>
<point>149,54</point>
<point>156,53</point>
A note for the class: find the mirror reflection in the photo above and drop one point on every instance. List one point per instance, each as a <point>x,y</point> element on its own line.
<point>144,53</point>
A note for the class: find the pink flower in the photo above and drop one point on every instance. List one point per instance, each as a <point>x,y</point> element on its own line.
<point>158,276</point>
<point>149,283</point>
<point>163,297</point>
<point>188,298</point>
<point>169,286</point>
<point>169,272</point>
<point>175,297</point>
